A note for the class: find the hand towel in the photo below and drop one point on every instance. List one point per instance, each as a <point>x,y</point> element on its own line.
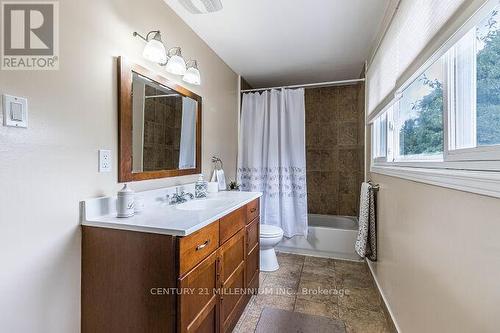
<point>366,242</point>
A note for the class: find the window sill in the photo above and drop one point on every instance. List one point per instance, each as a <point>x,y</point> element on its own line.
<point>479,182</point>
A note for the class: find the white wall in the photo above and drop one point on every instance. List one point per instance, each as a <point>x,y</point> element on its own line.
<point>438,257</point>
<point>47,169</point>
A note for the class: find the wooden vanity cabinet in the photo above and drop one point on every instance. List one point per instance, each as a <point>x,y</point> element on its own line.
<point>142,282</point>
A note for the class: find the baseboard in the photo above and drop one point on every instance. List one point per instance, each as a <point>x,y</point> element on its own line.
<point>393,326</point>
<point>315,253</point>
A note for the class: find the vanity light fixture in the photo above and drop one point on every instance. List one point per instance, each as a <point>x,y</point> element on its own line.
<point>154,50</point>
<point>192,75</point>
<point>175,63</point>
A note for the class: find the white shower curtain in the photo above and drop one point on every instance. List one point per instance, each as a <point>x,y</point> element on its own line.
<point>272,157</point>
<point>187,153</point>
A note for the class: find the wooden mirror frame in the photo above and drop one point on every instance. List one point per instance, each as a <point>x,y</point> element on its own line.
<point>125,77</point>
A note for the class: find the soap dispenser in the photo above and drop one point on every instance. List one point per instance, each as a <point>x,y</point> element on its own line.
<point>125,202</point>
<point>200,188</point>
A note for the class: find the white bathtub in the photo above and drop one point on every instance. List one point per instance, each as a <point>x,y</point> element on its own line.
<point>329,236</point>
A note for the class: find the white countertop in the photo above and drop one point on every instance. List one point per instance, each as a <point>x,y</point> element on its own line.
<point>160,217</point>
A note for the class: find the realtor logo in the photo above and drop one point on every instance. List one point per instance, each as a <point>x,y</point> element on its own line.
<point>30,38</point>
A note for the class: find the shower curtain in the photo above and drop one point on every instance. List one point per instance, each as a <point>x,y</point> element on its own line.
<point>272,157</point>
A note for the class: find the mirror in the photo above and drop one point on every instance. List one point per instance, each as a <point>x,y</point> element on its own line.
<point>160,126</point>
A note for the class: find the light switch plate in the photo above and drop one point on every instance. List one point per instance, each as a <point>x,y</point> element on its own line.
<point>104,160</point>
<point>15,111</point>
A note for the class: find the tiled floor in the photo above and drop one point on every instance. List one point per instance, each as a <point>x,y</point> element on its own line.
<point>348,293</point>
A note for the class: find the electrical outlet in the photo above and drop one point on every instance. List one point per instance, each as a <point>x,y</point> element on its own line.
<point>104,160</point>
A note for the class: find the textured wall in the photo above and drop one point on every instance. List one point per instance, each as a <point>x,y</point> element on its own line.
<point>438,257</point>
<point>334,148</point>
<point>47,169</point>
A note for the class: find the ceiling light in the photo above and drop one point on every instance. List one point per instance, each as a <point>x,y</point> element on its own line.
<point>175,64</point>
<point>154,50</point>
<point>192,73</point>
<point>201,6</point>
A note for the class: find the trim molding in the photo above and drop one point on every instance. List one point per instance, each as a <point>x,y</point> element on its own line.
<point>479,182</point>
<point>387,308</point>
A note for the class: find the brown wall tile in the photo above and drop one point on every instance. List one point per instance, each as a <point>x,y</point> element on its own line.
<point>334,149</point>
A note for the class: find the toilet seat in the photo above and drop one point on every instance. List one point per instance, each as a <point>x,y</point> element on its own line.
<point>270,231</point>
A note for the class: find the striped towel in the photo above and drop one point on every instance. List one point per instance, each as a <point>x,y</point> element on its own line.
<point>366,242</point>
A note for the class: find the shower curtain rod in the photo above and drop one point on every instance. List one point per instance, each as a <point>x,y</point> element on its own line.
<point>319,84</point>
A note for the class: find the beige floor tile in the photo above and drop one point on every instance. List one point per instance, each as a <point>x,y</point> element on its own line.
<point>349,280</point>
<point>361,298</point>
<point>306,276</point>
<point>320,272</point>
<point>318,291</point>
<point>317,308</point>
<point>288,271</point>
<point>327,280</point>
<point>273,301</point>
<point>248,324</point>
<point>290,258</point>
<point>318,261</point>
<point>350,266</point>
<point>262,278</point>
<point>363,321</point>
<point>279,285</point>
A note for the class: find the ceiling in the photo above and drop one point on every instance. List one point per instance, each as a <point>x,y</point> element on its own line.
<point>284,42</point>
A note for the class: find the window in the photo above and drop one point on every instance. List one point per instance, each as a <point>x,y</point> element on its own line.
<point>450,111</point>
<point>419,117</point>
<point>380,138</point>
<point>488,80</point>
<point>475,66</point>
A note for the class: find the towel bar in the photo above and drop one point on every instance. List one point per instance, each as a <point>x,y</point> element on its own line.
<point>375,187</point>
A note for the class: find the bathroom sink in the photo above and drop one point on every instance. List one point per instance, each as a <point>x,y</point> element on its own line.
<point>200,204</point>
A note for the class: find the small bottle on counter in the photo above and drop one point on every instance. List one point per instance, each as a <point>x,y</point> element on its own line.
<point>125,202</point>
<point>200,188</point>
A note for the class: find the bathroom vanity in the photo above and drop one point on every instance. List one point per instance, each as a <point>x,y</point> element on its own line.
<point>190,267</point>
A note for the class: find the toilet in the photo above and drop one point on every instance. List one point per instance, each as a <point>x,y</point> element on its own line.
<point>270,236</point>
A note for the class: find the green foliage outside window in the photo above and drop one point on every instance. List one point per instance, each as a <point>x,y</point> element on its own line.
<point>423,134</point>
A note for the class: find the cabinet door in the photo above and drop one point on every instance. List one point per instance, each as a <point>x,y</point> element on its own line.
<point>232,276</point>
<point>252,255</point>
<point>198,302</point>
<point>232,223</point>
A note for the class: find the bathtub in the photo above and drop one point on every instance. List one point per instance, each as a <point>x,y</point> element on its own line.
<point>329,236</point>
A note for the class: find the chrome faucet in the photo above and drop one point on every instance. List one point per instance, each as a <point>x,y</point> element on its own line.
<point>179,197</point>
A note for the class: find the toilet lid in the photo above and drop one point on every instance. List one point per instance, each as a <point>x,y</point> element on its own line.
<point>270,231</point>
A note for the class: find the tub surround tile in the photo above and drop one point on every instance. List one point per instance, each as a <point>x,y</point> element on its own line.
<point>334,140</point>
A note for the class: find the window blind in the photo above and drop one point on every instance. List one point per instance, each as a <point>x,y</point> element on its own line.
<point>418,29</point>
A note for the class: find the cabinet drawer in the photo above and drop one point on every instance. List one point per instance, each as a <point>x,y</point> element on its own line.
<point>252,210</point>
<point>232,223</point>
<point>252,234</point>
<point>196,247</point>
<point>198,307</point>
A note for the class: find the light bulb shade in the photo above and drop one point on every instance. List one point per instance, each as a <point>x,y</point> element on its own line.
<point>176,64</point>
<point>155,51</point>
<point>192,75</point>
